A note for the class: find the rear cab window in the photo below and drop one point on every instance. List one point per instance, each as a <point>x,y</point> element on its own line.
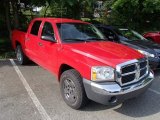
<point>35,28</point>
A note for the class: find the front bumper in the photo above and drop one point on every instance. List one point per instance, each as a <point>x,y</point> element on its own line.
<point>111,93</point>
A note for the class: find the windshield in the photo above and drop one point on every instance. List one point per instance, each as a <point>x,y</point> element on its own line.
<point>127,34</point>
<point>70,32</point>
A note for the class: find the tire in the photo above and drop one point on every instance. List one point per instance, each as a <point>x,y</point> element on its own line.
<point>21,57</point>
<point>72,89</point>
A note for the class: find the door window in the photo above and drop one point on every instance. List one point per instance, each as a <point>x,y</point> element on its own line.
<point>35,27</point>
<point>48,30</point>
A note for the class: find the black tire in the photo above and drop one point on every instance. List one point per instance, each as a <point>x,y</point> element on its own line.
<point>73,94</point>
<point>21,57</point>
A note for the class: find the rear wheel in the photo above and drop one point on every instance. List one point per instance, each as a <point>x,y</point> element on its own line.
<point>21,57</point>
<point>72,89</point>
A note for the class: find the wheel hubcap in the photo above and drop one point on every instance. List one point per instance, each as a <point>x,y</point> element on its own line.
<point>19,55</point>
<point>70,90</point>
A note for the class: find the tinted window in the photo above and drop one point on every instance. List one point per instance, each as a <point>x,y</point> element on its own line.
<point>131,35</point>
<point>108,33</point>
<point>35,27</point>
<point>48,30</point>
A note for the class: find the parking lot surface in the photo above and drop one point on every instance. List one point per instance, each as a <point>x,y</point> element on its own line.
<point>32,93</point>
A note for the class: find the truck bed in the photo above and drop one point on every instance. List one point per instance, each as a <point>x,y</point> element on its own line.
<point>18,36</point>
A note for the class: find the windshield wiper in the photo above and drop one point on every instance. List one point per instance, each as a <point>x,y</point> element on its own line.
<point>97,39</point>
<point>75,39</point>
<point>85,40</point>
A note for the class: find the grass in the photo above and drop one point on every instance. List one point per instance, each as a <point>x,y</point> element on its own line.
<point>6,50</point>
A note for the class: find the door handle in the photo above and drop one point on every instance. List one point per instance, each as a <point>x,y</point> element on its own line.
<point>40,44</point>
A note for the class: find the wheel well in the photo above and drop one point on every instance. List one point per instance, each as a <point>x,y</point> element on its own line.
<point>63,68</point>
<point>17,43</point>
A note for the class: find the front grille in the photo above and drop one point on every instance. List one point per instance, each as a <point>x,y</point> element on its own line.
<point>128,78</point>
<point>143,71</point>
<point>143,64</point>
<point>134,71</point>
<point>128,68</point>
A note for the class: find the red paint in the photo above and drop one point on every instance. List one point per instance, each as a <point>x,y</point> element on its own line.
<point>80,56</point>
<point>155,36</point>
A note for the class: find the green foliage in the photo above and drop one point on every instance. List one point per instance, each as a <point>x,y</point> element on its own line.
<point>69,8</point>
<point>136,14</point>
<point>151,6</point>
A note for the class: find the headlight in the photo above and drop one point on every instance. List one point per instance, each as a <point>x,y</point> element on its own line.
<point>102,73</point>
<point>146,53</point>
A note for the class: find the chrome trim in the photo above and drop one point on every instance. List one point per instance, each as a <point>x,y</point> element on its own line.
<point>120,66</point>
<point>137,75</point>
<point>112,88</point>
<point>129,73</point>
<point>143,68</point>
<point>137,71</point>
<point>131,62</point>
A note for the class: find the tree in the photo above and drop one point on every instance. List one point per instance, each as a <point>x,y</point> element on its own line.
<point>15,9</point>
<point>136,14</point>
<point>5,18</point>
<point>68,8</point>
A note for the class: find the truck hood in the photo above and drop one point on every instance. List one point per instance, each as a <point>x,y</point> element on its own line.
<point>105,53</point>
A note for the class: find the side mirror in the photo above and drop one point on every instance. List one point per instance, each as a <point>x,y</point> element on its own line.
<point>48,38</point>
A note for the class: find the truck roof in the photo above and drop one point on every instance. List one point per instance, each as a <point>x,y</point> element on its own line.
<point>60,20</point>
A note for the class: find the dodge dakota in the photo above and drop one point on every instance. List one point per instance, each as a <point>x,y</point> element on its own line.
<point>87,66</point>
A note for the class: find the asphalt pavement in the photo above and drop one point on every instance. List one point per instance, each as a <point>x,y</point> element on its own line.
<point>32,93</point>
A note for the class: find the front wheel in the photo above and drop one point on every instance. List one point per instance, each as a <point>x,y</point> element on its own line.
<point>21,57</point>
<point>72,89</point>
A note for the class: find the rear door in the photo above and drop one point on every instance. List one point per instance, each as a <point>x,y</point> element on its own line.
<point>31,40</point>
<point>48,49</point>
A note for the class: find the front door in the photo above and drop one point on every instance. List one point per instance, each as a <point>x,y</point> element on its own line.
<point>48,48</point>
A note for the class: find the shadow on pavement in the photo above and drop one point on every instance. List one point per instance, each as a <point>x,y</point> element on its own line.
<point>157,72</point>
<point>146,105</point>
<point>8,63</point>
<point>142,106</point>
<point>5,63</point>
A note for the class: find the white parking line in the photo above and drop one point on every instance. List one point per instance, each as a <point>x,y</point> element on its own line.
<point>34,98</point>
<point>154,91</point>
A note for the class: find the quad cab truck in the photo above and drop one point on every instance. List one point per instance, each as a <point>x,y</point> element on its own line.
<point>87,66</point>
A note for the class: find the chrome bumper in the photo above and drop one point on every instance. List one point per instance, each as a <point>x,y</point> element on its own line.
<point>109,93</point>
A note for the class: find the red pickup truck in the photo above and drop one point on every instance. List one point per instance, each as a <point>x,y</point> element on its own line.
<point>86,64</point>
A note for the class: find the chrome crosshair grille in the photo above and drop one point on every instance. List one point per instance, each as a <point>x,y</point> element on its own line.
<point>132,71</point>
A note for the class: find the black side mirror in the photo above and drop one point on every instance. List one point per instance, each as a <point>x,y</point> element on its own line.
<point>48,38</point>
